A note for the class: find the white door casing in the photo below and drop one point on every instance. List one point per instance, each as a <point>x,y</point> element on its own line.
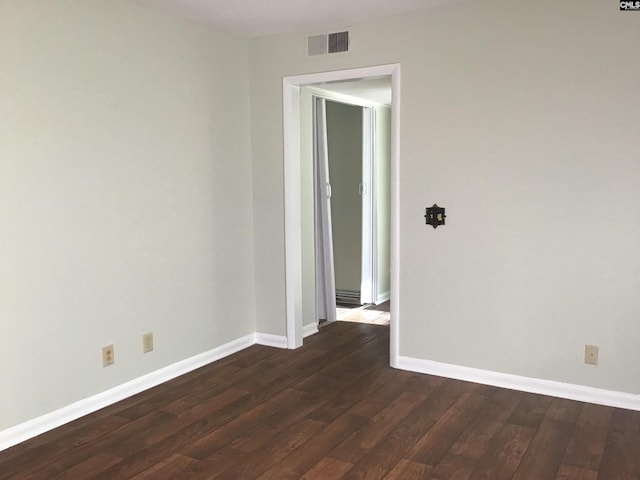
<point>367,190</point>
<point>292,196</point>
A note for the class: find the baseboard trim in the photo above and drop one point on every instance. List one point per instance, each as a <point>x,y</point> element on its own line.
<point>32,428</point>
<point>309,330</point>
<point>269,340</point>
<point>383,297</point>
<point>526,384</point>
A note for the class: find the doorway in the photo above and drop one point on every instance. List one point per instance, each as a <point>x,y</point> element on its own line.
<point>345,158</point>
<point>293,195</point>
<point>351,158</point>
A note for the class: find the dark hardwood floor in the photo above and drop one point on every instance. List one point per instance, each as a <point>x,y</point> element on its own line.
<point>333,409</point>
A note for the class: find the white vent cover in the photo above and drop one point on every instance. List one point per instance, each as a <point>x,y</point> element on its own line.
<point>327,43</point>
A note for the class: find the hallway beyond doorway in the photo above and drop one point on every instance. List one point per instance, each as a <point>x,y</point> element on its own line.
<point>371,314</point>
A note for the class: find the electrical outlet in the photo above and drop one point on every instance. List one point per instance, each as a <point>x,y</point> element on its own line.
<point>591,354</point>
<point>108,357</point>
<point>147,342</point>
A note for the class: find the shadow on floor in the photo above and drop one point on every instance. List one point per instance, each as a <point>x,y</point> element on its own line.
<point>371,314</point>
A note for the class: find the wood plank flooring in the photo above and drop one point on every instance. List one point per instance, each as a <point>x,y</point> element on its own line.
<point>371,314</point>
<point>333,409</point>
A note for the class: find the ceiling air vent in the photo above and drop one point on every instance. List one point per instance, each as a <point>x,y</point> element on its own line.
<point>338,42</point>
<point>327,43</point>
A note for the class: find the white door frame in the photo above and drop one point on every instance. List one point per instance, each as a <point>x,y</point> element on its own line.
<point>369,240</point>
<point>292,195</point>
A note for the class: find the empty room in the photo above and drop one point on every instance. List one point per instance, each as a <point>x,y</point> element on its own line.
<point>168,288</point>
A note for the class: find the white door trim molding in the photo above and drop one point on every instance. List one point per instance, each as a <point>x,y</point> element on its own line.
<point>292,211</point>
<point>292,195</point>
<point>369,241</point>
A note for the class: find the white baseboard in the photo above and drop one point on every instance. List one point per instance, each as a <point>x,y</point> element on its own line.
<point>49,421</point>
<point>581,393</point>
<point>309,330</point>
<point>383,297</point>
<point>269,340</point>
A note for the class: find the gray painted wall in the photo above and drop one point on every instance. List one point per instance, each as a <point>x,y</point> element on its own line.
<point>520,119</point>
<point>125,197</point>
<point>344,145</point>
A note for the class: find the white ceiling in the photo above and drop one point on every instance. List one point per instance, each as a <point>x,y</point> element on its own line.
<point>265,17</point>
